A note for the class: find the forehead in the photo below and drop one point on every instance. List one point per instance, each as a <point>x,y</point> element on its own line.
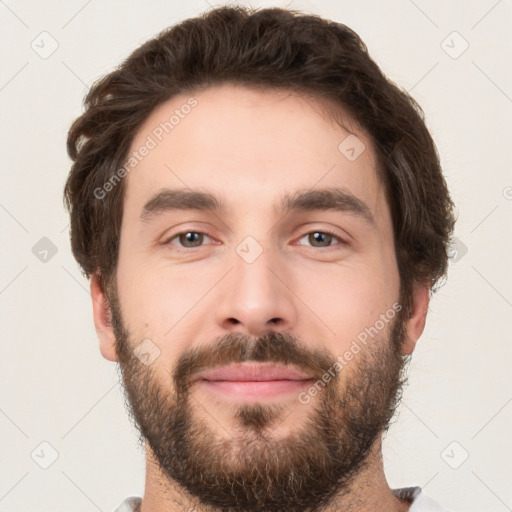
<point>248,145</point>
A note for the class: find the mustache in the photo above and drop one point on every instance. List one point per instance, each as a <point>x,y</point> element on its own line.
<point>270,347</point>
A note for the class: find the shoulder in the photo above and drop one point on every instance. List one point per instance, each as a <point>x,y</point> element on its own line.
<point>420,502</point>
<point>130,504</point>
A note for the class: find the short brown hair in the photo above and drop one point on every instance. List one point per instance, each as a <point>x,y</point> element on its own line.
<point>269,48</point>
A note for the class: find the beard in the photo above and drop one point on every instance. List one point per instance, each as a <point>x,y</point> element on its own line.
<point>251,470</point>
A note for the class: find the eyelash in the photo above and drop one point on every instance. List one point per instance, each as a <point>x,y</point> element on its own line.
<point>191,249</point>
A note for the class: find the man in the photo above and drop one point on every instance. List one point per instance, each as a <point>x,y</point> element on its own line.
<point>263,218</point>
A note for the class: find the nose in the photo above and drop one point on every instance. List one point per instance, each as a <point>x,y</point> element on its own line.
<point>256,296</point>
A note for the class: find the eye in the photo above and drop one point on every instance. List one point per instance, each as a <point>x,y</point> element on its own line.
<point>323,238</point>
<point>195,239</point>
<point>188,239</point>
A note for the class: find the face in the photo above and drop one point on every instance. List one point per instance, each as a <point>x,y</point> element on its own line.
<point>279,273</point>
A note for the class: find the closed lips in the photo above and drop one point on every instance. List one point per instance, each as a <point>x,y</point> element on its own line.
<point>253,373</point>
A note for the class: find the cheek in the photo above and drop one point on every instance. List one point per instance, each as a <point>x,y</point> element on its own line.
<point>159,301</point>
<point>145,295</point>
<point>347,298</point>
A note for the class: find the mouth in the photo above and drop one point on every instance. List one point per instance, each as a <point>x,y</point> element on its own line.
<point>254,381</point>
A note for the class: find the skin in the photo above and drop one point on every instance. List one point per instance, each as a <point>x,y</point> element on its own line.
<point>250,147</point>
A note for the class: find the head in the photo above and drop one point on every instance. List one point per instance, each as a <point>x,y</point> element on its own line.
<point>323,221</point>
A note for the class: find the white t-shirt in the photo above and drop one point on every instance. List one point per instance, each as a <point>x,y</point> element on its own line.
<point>420,502</point>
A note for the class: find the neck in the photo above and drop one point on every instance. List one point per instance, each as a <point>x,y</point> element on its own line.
<point>368,491</point>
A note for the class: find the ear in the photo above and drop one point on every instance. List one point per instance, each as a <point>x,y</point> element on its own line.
<point>102,319</point>
<point>416,322</point>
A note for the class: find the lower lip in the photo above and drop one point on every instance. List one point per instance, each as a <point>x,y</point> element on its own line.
<point>256,389</point>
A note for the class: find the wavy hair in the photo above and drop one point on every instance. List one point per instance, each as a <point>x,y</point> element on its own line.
<point>270,48</point>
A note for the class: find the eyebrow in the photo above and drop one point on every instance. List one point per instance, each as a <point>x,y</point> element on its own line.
<point>332,198</point>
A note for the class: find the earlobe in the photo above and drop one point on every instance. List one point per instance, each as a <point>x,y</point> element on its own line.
<point>416,322</point>
<point>103,319</point>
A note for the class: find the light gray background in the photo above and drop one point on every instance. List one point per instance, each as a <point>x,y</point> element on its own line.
<point>56,387</point>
